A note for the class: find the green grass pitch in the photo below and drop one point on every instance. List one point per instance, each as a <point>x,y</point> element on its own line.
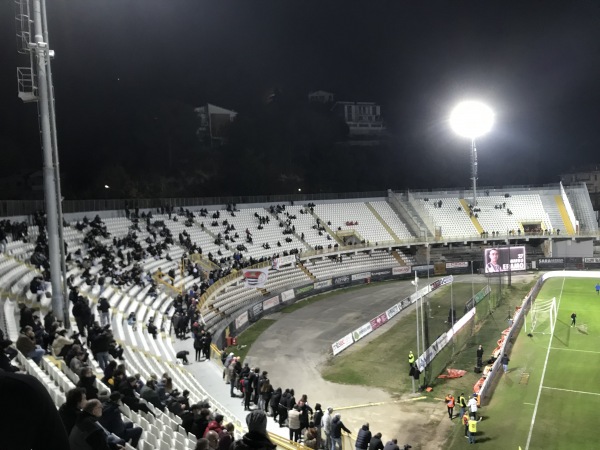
<point>551,396</point>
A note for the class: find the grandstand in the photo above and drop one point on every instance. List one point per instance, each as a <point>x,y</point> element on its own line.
<point>329,238</point>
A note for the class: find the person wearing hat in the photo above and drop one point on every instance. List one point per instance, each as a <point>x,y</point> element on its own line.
<point>112,420</point>
<point>4,361</point>
<point>256,438</point>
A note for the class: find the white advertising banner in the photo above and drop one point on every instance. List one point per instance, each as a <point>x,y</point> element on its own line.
<point>342,344</point>
<point>361,276</point>
<point>287,295</point>
<point>241,320</point>
<point>457,265</point>
<point>400,270</point>
<point>361,332</point>
<point>322,284</point>
<point>271,303</point>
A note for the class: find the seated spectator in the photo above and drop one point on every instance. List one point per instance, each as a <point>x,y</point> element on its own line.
<point>152,329</point>
<point>129,398</point>
<point>87,433</point>
<point>149,394</point>
<point>213,440</point>
<point>226,437</point>
<point>79,362</point>
<point>62,344</point>
<point>4,359</point>
<point>68,411</point>
<point>87,381</point>
<point>215,425</point>
<point>112,421</point>
<point>27,346</point>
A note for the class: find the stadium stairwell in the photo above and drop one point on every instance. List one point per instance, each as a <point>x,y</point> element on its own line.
<point>306,271</point>
<point>466,209</point>
<point>329,230</point>
<point>385,225</point>
<point>398,258</point>
<point>564,215</point>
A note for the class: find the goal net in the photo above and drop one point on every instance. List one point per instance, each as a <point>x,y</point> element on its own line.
<point>542,317</point>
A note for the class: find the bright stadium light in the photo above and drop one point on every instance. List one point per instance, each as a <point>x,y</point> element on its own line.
<point>472,119</point>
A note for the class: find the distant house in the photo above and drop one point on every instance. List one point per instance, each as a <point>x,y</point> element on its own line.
<point>214,123</point>
<point>320,97</point>
<point>363,119</point>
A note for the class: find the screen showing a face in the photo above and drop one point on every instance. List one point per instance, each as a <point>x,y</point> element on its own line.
<point>503,259</point>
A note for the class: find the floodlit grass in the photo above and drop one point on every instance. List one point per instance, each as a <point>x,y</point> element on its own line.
<point>364,364</point>
<point>563,418</point>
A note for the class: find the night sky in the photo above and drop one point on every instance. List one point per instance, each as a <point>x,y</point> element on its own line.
<point>536,63</point>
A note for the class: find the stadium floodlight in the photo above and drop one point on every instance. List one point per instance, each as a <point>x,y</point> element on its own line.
<point>472,119</point>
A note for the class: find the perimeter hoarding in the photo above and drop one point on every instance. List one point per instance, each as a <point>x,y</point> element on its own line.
<point>504,259</point>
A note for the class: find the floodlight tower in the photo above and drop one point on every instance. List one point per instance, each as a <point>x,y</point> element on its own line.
<point>35,85</point>
<point>472,119</point>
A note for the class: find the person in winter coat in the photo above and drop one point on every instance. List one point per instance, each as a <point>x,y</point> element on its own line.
<point>103,309</point>
<point>256,438</point>
<point>215,425</point>
<point>376,443</point>
<point>336,431</point>
<point>87,434</point>
<point>282,407</point>
<point>68,411</point>
<point>363,438</point>
<point>294,423</point>
<point>274,403</point>
<point>326,425</point>
<point>61,344</point>
<point>305,410</point>
<point>112,421</point>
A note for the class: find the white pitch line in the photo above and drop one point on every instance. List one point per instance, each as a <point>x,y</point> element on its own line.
<point>570,390</point>
<point>574,350</point>
<point>537,400</point>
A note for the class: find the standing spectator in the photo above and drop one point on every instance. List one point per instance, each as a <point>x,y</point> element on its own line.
<point>472,430</point>
<point>479,355</point>
<point>294,423</point>
<point>336,431</point>
<point>256,438</point>
<point>83,314</point>
<point>104,308</point>
<point>326,424</point>
<point>465,421</point>
<point>597,288</point>
<point>450,405</point>
<point>473,407</point>
<point>274,403</point>
<point>504,362</point>
<point>215,425</point>
<point>206,348</point>
<point>305,410</point>
<point>318,421</point>
<point>376,443</point>
<point>363,438</point>
<point>198,348</point>
<point>462,402</point>
<point>266,391</point>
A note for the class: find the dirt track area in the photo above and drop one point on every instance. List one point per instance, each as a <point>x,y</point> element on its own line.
<point>295,348</point>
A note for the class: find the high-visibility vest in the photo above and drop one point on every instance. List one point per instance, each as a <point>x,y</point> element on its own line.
<point>411,358</point>
<point>462,401</point>
<point>450,401</point>
<point>473,426</point>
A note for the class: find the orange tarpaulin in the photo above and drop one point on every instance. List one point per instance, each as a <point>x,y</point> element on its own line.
<point>453,373</point>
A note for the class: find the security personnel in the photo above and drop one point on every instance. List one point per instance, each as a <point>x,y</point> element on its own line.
<point>462,402</point>
<point>450,405</point>
<point>411,359</point>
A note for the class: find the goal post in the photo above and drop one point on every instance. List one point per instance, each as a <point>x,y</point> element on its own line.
<point>542,317</point>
